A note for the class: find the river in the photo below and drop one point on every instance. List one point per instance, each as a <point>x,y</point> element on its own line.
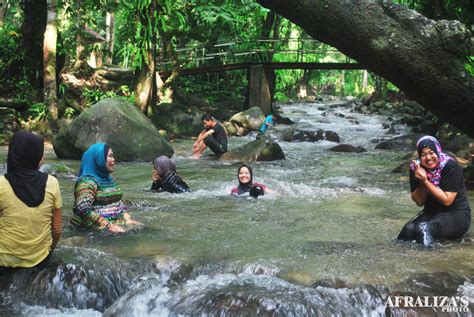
<point>323,243</point>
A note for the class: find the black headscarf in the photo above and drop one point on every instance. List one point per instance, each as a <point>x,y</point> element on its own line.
<point>244,188</point>
<point>24,155</point>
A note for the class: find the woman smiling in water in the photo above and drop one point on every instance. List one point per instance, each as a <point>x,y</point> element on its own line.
<point>437,183</point>
<point>246,184</point>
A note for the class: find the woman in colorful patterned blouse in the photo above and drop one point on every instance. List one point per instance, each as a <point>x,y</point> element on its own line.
<point>98,199</point>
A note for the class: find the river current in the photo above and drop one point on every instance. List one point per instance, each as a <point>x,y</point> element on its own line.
<point>323,243</point>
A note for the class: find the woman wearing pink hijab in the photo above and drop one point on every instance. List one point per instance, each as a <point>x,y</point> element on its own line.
<point>437,184</point>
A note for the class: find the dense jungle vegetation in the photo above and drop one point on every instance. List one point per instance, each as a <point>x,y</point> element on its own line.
<point>58,57</point>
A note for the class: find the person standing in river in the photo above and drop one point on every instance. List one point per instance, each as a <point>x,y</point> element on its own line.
<point>98,199</point>
<point>165,178</point>
<point>437,184</point>
<point>213,136</point>
<point>30,205</point>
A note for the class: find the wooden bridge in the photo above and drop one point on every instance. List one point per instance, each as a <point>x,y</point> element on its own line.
<point>259,60</point>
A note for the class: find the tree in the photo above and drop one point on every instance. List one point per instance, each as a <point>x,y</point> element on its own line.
<point>427,59</point>
<point>49,55</point>
<point>32,31</point>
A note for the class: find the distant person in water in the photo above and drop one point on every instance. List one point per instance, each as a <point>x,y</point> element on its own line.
<point>165,178</point>
<point>246,183</point>
<point>268,122</point>
<point>213,136</point>
<point>30,205</point>
<point>437,183</point>
<point>98,199</point>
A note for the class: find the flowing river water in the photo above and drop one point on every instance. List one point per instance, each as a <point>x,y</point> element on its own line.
<point>323,243</point>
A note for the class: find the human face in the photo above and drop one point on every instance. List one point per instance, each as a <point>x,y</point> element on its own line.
<point>428,158</point>
<point>110,163</point>
<point>207,124</point>
<point>244,175</point>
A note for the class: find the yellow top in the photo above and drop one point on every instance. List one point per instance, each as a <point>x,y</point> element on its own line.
<point>25,232</point>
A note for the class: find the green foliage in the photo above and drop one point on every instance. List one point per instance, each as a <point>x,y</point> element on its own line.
<point>38,111</point>
<point>469,65</point>
<point>94,95</point>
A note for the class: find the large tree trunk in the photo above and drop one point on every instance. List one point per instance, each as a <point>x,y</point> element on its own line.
<point>424,58</point>
<point>32,31</point>
<point>49,61</point>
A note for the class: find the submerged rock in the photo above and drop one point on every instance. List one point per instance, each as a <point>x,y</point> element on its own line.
<point>259,150</point>
<point>119,124</point>
<point>347,148</point>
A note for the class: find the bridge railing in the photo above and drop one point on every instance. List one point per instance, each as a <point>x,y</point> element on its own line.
<point>250,50</point>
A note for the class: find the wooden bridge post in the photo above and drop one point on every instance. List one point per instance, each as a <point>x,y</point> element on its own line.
<point>261,87</point>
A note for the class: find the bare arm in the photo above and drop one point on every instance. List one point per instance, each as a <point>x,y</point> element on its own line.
<point>56,226</point>
<point>204,134</point>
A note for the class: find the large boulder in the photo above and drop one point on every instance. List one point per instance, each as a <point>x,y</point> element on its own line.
<point>401,143</point>
<point>262,149</point>
<point>178,119</point>
<point>119,124</point>
<point>250,119</point>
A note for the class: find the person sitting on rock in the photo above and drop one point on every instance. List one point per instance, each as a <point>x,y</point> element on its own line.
<point>268,122</point>
<point>165,178</point>
<point>246,184</point>
<point>30,206</point>
<point>213,136</point>
<point>437,183</point>
<point>98,199</point>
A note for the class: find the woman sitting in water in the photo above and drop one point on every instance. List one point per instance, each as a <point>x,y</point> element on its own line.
<point>246,184</point>
<point>30,205</point>
<point>436,182</point>
<point>165,178</point>
<point>98,199</point>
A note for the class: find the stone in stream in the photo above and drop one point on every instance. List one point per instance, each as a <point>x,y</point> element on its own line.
<point>178,119</point>
<point>347,148</point>
<point>243,122</point>
<point>118,123</point>
<point>58,171</point>
<point>301,133</point>
<point>401,143</point>
<point>262,149</point>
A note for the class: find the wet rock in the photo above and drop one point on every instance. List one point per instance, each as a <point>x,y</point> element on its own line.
<point>401,143</point>
<point>171,269</point>
<point>250,119</point>
<point>462,143</point>
<point>302,133</point>
<point>347,148</point>
<point>262,149</point>
<point>402,168</point>
<point>118,123</point>
<point>178,119</point>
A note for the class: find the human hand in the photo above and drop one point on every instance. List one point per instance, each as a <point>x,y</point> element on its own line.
<point>117,229</point>
<point>420,173</point>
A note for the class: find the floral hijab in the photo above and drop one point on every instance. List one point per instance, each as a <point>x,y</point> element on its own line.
<point>434,175</point>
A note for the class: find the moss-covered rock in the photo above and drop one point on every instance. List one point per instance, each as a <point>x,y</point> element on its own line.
<point>178,119</point>
<point>262,149</point>
<point>119,124</point>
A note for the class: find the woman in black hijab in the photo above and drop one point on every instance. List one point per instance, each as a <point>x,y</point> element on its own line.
<point>246,183</point>
<point>30,205</point>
